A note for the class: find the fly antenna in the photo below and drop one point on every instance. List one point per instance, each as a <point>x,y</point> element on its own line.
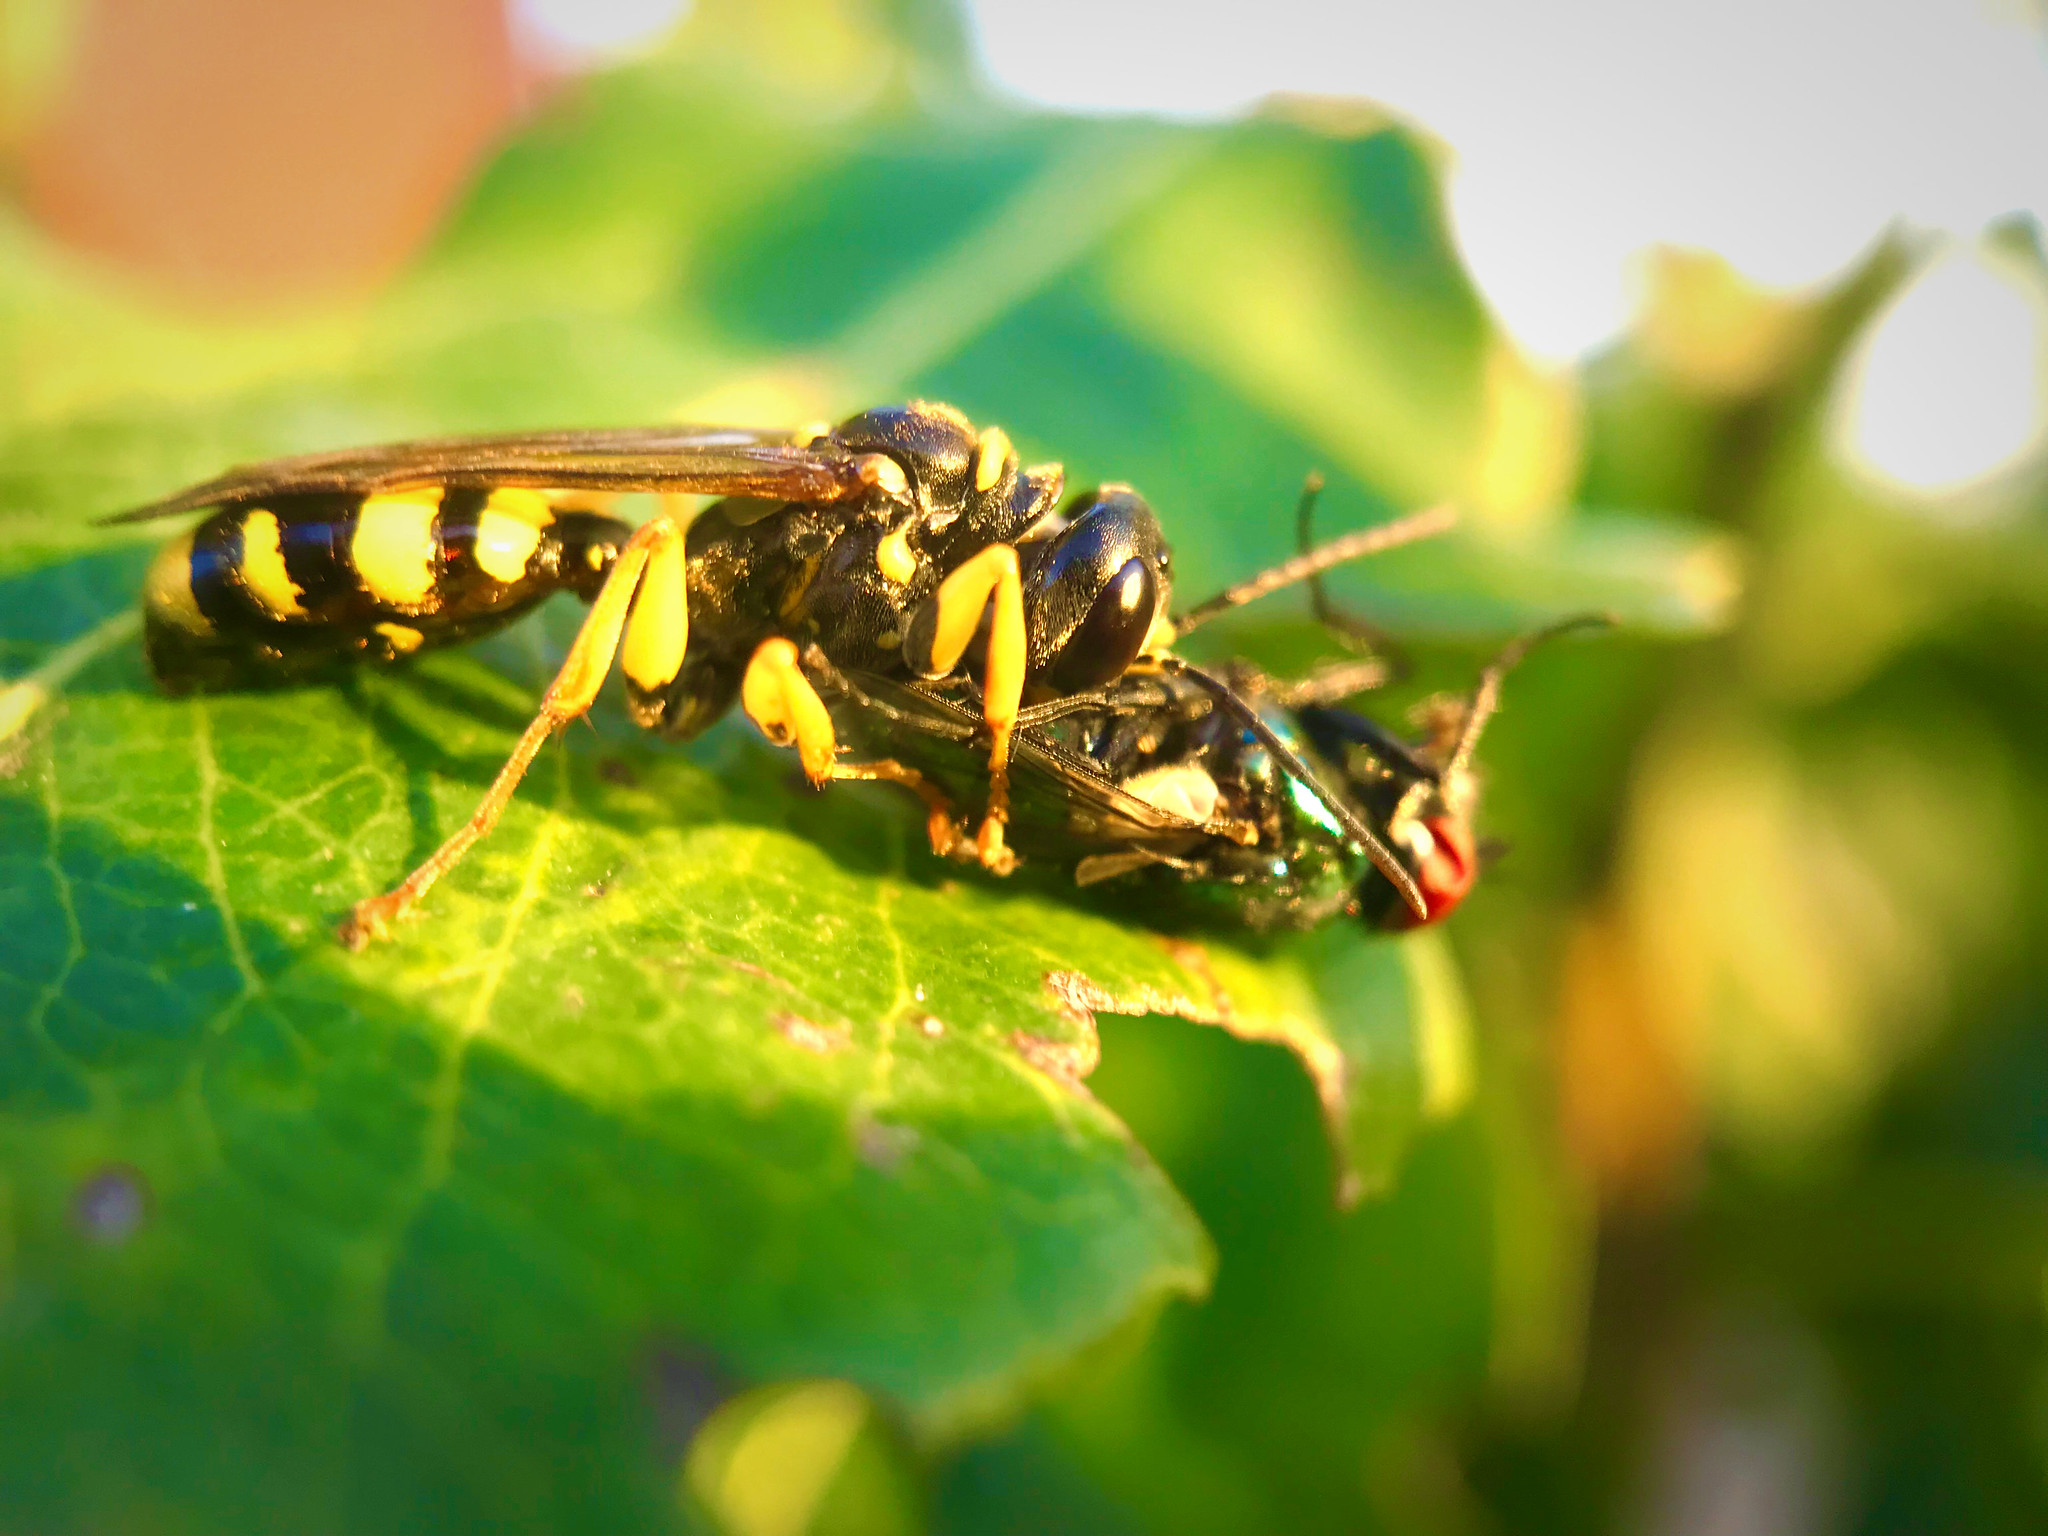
<point>1486,697</point>
<point>1312,563</point>
<point>1291,764</point>
<point>1354,632</point>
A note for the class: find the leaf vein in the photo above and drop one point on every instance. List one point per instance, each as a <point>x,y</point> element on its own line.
<point>21,699</point>
<point>209,845</point>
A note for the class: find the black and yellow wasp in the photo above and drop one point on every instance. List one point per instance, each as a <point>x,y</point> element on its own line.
<point>901,549</point>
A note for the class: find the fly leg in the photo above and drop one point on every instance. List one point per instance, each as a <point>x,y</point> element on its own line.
<point>1331,684</point>
<point>643,600</point>
<point>1354,632</point>
<point>948,837</point>
<point>942,824</point>
<point>781,700</point>
<point>939,636</point>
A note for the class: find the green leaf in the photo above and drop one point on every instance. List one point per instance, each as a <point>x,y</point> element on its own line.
<point>687,1073</point>
<point>658,1067</point>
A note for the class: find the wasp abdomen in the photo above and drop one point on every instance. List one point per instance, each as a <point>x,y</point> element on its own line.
<point>274,592</point>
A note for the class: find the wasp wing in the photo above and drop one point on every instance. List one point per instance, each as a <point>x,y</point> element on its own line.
<point>709,461</point>
<point>1061,805</point>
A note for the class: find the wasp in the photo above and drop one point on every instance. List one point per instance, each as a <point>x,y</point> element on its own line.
<point>903,547</point>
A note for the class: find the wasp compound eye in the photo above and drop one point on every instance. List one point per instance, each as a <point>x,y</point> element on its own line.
<point>1109,638</point>
<point>1092,590</point>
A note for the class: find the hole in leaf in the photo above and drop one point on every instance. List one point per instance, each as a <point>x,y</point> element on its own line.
<point>111,1205</point>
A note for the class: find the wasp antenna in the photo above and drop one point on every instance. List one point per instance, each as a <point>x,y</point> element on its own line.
<point>1291,764</point>
<point>1312,563</point>
<point>1486,697</point>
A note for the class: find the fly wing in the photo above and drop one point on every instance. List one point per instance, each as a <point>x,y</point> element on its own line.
<point>709,461</point>
<point>1061,805</point>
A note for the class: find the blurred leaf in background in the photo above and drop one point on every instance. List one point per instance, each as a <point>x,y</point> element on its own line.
<point>1797,1031</point>
<point>709,1156</point>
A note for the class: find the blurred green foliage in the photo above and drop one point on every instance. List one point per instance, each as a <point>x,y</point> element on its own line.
<point>1722,1129</point>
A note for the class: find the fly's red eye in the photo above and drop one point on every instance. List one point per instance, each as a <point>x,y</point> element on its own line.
<point>1446,872</point>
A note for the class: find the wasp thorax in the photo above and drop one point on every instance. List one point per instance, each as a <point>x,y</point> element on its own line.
<point>968,486</point>
<point>884,474</point>
<point>934,444</point>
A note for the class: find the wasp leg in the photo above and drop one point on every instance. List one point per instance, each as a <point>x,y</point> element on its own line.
<point>941,825</point>
<point>956,614</point>
<point>656,546</point>
<point>781,701</point>
<point>657,632</point>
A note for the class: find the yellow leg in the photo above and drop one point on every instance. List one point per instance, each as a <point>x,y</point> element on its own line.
<point>658,629</point>
<point>961,598</point>
<point>569,695</point>
<point>940,824</point>
<point>780,699</point>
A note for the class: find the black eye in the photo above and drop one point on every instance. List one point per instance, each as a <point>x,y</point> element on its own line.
<point>1108,640</point>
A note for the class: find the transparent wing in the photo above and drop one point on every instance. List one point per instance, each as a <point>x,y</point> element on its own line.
<point>1059,802</point>
<point>709,461</point>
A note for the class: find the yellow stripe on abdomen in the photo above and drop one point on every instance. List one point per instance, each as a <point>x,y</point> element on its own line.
<point>508,532</point>
<point>167,589</point>
<point>394,546</point>
<point>262,567</point>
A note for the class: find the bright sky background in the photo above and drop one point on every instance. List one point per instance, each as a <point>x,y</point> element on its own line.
<point>1785,135</point>
<point>576,32</point>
